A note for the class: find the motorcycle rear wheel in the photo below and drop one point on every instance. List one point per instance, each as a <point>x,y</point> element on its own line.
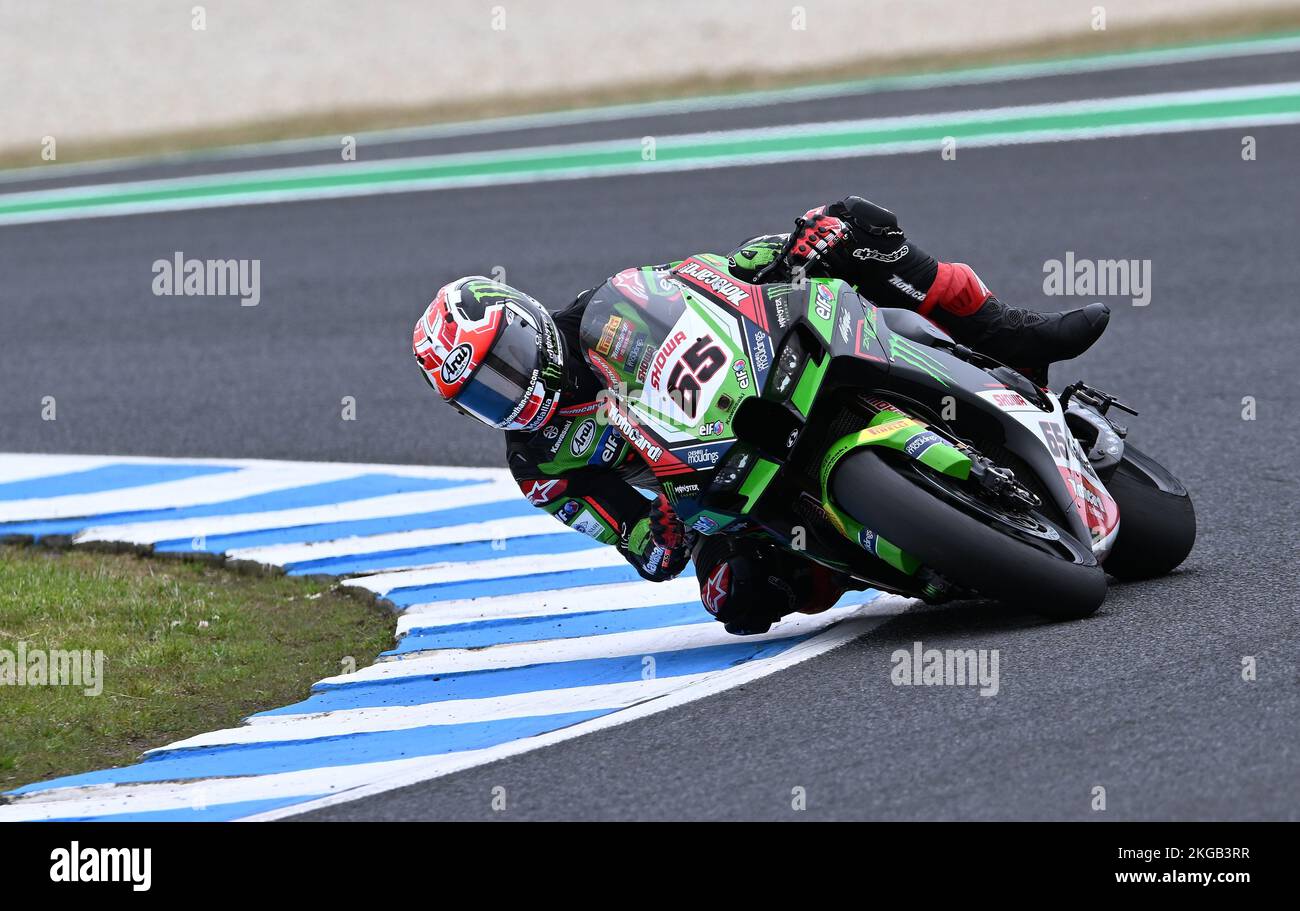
<point>1157,524</point>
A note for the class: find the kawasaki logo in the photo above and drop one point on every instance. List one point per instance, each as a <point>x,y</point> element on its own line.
<point>732,292</point>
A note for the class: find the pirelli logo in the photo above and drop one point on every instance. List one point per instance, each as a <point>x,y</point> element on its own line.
<point>885,429</point>
<point>608,333</point>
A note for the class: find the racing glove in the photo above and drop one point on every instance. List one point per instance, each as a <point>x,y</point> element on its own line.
<point>659,546</point>
<point>873,234</point>
<point>816,233</point>
<point>873,254</point>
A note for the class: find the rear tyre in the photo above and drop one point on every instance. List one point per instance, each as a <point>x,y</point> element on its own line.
<point>963,549</point>
<point>1157,524</point>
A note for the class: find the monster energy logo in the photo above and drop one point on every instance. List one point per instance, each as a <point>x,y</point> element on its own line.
<point>869,324</point>
<point>904,350</point>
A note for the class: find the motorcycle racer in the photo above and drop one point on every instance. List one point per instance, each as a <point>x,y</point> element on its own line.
<point>495,353</point>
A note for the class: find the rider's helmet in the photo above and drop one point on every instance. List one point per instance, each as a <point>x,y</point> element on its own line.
<point>755,254</point>
<point>491,352</point>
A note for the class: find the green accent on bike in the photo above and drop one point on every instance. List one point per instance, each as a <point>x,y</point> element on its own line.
<point>756,482</point>
<point>893,555</point>
<point>810,381</point>
<point>856,532</point>
<point>946,459</point>
<point>909,352</point>
<point>896,434</point>
<point>895,431</point>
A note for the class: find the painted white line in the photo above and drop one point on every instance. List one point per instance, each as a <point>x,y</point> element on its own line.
<point>286,728</point>
<point>629,699</point>
<point>499,529</point>
<point>560,602</point>
<point>610,645</point>
<point>835,636</point>
<point>26,467</point>
<point>389,506</point>
<point>194,491</point>
<point>503,567</point>
<point>149,797</point>
<point>450,472</point>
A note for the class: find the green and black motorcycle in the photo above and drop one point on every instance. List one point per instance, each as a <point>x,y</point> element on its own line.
<point>868,440</point>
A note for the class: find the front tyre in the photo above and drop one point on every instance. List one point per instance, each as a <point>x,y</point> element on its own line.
<point>1157,524</point>
<point>965,550</point>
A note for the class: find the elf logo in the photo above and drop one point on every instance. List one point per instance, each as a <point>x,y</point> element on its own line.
<point>825,302</point>
<point>742,373</point>
<point>611,444</point>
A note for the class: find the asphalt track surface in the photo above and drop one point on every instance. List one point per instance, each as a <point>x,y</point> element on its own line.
<point>1145,699</point>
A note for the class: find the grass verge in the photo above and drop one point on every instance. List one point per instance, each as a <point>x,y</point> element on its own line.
<point>188,647</point>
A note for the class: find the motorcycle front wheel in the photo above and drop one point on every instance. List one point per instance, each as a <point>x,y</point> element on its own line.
<point>1018,558</point>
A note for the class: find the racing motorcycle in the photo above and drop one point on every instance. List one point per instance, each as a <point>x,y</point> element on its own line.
<point>870,441</point>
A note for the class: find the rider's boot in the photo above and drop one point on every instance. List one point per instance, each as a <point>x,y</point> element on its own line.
<point>1025,339</point>
<point>875,255</point>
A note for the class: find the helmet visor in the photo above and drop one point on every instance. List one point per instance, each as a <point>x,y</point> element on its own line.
<point>508,377</point>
